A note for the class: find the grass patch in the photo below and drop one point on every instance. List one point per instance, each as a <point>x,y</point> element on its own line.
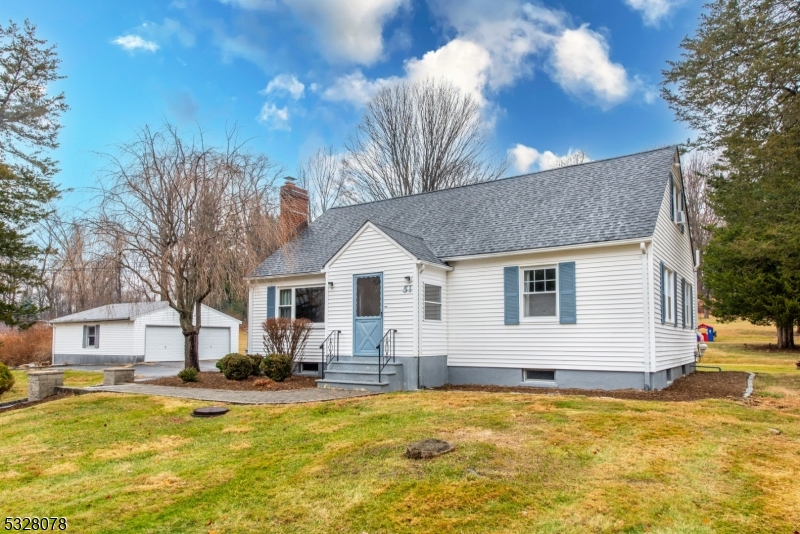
<point>523,463</point>
<point>71,378</point>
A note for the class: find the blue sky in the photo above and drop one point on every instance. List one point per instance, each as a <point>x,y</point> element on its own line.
<point>294,74</point>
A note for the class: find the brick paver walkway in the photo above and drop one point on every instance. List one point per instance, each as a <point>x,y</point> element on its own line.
<point>291,396</point>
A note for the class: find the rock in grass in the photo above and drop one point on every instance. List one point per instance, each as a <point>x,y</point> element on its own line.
<point>774,431</point>
<point>428,448</point>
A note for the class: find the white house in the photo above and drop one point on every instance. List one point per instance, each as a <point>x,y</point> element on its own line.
<point>138,332</point>
<point>582,276</point>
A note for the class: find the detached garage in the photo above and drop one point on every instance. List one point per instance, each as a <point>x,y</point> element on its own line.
<point>138,332</point>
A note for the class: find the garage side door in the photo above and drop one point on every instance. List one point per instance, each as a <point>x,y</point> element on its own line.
<point>163,344</point>
<point>214,342</point>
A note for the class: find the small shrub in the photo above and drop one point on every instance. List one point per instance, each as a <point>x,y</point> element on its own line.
<point>6,379</point>
<point>286,336</point>
<point>256,359</point>
<point>238,367</point>
<point>223,362</point>
<point>278,367</point>
<point>190,374</point>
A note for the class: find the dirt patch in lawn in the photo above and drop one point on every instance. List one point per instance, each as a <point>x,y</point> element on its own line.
<point>727,384</point>
<point>212,380</point>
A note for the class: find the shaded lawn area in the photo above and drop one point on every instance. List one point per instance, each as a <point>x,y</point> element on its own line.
<point>523,463</point>
<point>71,378</point>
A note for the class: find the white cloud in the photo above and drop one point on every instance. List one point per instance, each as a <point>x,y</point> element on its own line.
<point>527,159</point>
<point>135,42</point>
<point>653,10</point>
<point>495,46</point>
<point>356,88</point>
<point>581,66</point>
<point>348,31</point>
<point>275,117</point>
<point>351,31</point>
<point>463,63</point>
<point>286,84</point>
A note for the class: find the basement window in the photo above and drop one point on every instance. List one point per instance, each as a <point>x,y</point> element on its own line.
<point>309,367</point>
<point>540,375</point>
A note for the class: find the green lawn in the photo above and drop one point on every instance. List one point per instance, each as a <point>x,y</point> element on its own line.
<point>523,463</point>
<point>71,378</point>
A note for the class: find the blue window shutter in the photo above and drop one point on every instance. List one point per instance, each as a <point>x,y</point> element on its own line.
<point>671,198</point>
<point>683,302</point>
<point>270,302</point>
<point>675,295</point>
<point>511,292</point>
<point>566,292</point>
<point>97,336</point>
<point>663,297</point>
<point>692,307</point>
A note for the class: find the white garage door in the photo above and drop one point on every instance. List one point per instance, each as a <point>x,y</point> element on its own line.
<point>163,344</point>
<point>214,342</point>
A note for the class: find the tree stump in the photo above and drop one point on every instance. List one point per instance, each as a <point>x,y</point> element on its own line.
<point>428,448</point>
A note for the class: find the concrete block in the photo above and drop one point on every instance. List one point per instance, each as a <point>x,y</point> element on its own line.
<point>43,384</point>
<point>115,376</point>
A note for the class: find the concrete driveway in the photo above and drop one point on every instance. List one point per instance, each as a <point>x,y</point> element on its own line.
<point>148,371</point>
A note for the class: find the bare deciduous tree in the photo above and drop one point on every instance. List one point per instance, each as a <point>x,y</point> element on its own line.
<point>572,158</point>
<point>417,137</point>
<point>697,167</point>
<point>322,175</point>
<point>181,208</point>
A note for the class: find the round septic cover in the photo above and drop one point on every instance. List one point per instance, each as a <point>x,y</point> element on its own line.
<point>210,411</point>
<point>428,448</point>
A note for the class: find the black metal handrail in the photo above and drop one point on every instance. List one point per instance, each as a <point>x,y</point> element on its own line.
<point>386,350</point>
<point>330,350</point>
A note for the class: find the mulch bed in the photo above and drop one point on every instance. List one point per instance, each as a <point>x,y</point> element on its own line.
<point>696,386</point>
<point>213,380</point>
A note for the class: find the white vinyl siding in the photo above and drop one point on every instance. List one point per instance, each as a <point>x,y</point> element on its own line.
<point>609,333</point>
<point>258,313</point>
<point>673,346</point>
<point>433,334</point>
<point>116,339</point>
<point>372,252</point>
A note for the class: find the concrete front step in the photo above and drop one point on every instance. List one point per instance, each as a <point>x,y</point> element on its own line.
<point>359,376</point>
<point>354,385</point>
<point>361,366</point>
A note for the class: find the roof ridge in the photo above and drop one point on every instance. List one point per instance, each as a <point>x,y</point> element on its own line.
<point>670,147</point>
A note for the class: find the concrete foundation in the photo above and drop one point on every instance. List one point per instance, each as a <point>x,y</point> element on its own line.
<point>118,375</point>
<point>43,384</point>
<point>608,380</point>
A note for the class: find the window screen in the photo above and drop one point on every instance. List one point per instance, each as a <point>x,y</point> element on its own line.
<point>309,303</point>
<point>539,292</point>
<point>433,303</point>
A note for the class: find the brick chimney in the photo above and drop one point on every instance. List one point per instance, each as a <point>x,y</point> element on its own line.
<point>294,209</point>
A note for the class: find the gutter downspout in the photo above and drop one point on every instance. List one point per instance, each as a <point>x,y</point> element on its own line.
<point>420,267</point>
<point>651,318</point>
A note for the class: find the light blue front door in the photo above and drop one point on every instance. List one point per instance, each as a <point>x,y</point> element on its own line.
<point>367,313</point>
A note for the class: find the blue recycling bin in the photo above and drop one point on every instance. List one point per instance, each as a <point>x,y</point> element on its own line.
<point>710,334</point>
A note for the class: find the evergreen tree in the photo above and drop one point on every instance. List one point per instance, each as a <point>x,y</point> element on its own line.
<point>737,84</point>
<point>29,125</point>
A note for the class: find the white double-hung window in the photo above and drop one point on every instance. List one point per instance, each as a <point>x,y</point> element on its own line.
<point>433,303</point>
<point>539,292</point>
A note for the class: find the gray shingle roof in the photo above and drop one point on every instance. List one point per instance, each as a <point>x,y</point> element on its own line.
<point>415,245</point>
<point>606,200</point>
<point>126,311</point>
